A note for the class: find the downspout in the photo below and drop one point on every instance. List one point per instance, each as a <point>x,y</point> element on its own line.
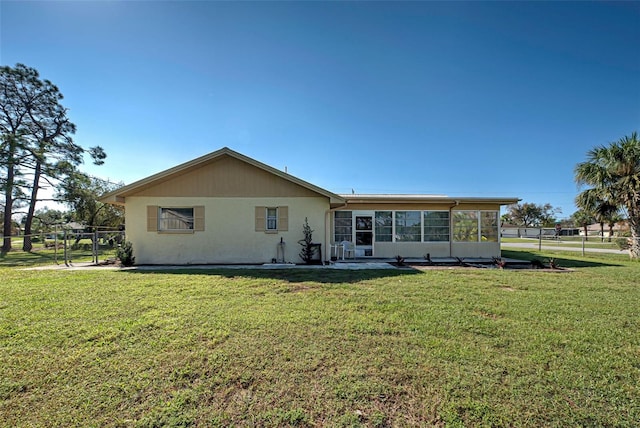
<point>456,203</point>
<point>326,236</point>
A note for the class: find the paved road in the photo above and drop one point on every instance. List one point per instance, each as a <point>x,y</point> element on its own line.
<point>532,245</point>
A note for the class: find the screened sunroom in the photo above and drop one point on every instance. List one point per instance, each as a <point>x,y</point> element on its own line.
<point>416,226</point>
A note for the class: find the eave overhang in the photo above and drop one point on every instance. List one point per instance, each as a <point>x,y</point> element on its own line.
<point>422,199</point>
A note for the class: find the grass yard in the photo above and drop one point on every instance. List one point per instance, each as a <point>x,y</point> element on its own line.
<point>459,347</point>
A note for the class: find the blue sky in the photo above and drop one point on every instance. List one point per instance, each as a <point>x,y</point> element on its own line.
<point>456,98</point>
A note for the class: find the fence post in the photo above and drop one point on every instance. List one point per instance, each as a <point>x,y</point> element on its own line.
<point>583,238</point>
<point>55,244</point>
<point>66,260</point>
<point>95,245</point>
<point>540,240</point>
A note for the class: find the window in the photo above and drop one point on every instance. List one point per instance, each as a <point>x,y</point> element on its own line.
<point>465,226</point>
<point>384,226</point>
<point>475,226</point>
<point>436,226</point>
<point>176,219</point>
<point>342,226</point>
<point>418,226</point>
<point>272,218</point>
<point>408,226</point>
<point>489,226</point>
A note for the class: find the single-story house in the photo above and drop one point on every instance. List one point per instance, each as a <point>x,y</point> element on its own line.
<point>618,229</point>
<point>225,207</point>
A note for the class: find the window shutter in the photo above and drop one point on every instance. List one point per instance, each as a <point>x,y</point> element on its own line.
<point>261,219</point>
<point>152,218</point>
<point>198,218</point>
<point>283,219</point>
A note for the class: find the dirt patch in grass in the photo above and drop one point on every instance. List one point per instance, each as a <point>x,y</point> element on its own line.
<point>300,287</point>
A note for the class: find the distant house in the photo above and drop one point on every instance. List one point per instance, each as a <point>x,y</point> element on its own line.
<point>225,207</point>
<point>74,227</point>
<point>594,229</point>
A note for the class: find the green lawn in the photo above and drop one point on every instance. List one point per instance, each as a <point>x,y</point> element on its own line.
<point>461,347</point>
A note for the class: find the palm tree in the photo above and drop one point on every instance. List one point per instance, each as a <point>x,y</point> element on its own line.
<point>601,210</point>
<point>612,220</point>
<point>582,218</point>
<point>613,176</point>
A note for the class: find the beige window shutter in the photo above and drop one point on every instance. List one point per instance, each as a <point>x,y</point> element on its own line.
<point>261,219</point>
<point>198,218</point>
<point>283,219</point>
<point>152,218</point>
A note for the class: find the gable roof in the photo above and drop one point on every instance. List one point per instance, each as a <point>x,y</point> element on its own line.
<point>117,197</point>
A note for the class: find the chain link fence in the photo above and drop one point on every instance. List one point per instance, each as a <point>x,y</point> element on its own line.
<point>69,246</point>
<point>96,247</point>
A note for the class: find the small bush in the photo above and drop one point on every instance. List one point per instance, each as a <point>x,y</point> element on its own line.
<point>308,249</point>
<point>125,254</point>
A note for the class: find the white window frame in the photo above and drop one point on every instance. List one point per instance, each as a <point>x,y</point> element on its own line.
<point>271,221</point>
<point>395,225</point>
<point>478,225</point>
<point>344,236</point>
<point>497,228</point>
<point>424,225</point>
<point>375,229</point>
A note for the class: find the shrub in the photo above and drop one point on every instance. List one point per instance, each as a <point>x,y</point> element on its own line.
<point>125,254</point>
<point>308,249</point>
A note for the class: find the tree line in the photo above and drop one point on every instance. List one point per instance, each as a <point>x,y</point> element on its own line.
<point>611,180</point>
<point>37,151</point>
<point>611,175</point>
<point>529,214</point>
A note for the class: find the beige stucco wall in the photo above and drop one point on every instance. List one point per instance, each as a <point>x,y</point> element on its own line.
<point>437,249</point>
<point>411,249</point>
<point>229,235</point>
<point>475,249</point>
